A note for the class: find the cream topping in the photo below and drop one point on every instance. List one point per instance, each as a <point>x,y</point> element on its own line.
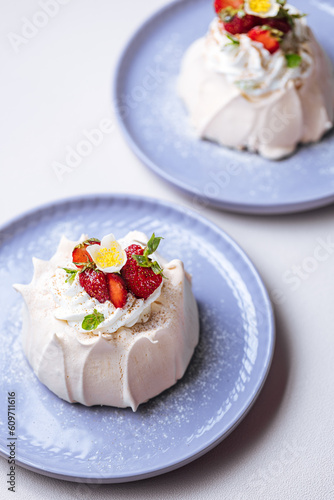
<point>74,303</point>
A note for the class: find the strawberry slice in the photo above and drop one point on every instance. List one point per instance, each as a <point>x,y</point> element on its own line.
<point>265,36</point>
<point>141,281</point>
<point>224,4</point>
<point>80,256</point>
<point>117,289</point>
<point>94,282</point>
<point>238,25</point>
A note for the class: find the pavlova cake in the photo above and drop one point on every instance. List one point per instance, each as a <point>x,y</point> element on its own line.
<point>109,322</point>
<point>259,79</point>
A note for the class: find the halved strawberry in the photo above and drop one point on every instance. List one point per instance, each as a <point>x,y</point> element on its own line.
<point>238,25</point>
<point>223,4</point>
<point>94,282</point>
<point>266,37</point>
<point>80,256</point>
<point>117,289</point>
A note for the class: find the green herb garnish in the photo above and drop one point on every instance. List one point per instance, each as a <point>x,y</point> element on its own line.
<point>92,321</point>
<point>71,274</point>
<point>285,15</point>
<point>144,260</point>
<point>293,60</point>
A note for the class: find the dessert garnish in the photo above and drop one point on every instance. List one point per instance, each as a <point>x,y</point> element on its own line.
<point>108,255</point>
<point>117,290</point>
<point>80,255</point>
<point>264,21</point>
<point>94,282</point>
<point>141,274</point>
<point>107,272</point>
<point>143,259</point>
<point>92,321</point>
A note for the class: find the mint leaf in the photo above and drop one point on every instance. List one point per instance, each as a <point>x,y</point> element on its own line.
<point>152,244</point>
<point>142,260</point>
<point>157,269</point>
<point>290,18</point>
<point>92,321</point>
<point>145,261</point>
<point>71,274</point>
<point>293,60</point>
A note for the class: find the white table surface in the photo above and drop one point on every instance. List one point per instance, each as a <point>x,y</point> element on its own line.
<point>53,88</point>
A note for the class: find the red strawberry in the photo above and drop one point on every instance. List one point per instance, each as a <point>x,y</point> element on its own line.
<point>117,289</point>
<point>278,24</point>
<point>264,36</point>
<point>141,281</point>
<point>80,254</point>
<point>95,284</point>
<point>223,4</point>
<point>237,25</point>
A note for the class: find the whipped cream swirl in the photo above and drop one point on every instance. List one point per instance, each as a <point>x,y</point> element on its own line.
<point>74,304</point>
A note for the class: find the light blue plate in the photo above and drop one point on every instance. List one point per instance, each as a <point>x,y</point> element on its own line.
<point>226,374</point>
<point>156,126</point>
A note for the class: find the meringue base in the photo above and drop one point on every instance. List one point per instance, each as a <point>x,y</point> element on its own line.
<point>272,124</point>
<point>122,369</point>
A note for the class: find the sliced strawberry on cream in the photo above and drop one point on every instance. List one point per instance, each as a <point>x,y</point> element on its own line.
<point>266,37</point>
<point>117,289</point>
